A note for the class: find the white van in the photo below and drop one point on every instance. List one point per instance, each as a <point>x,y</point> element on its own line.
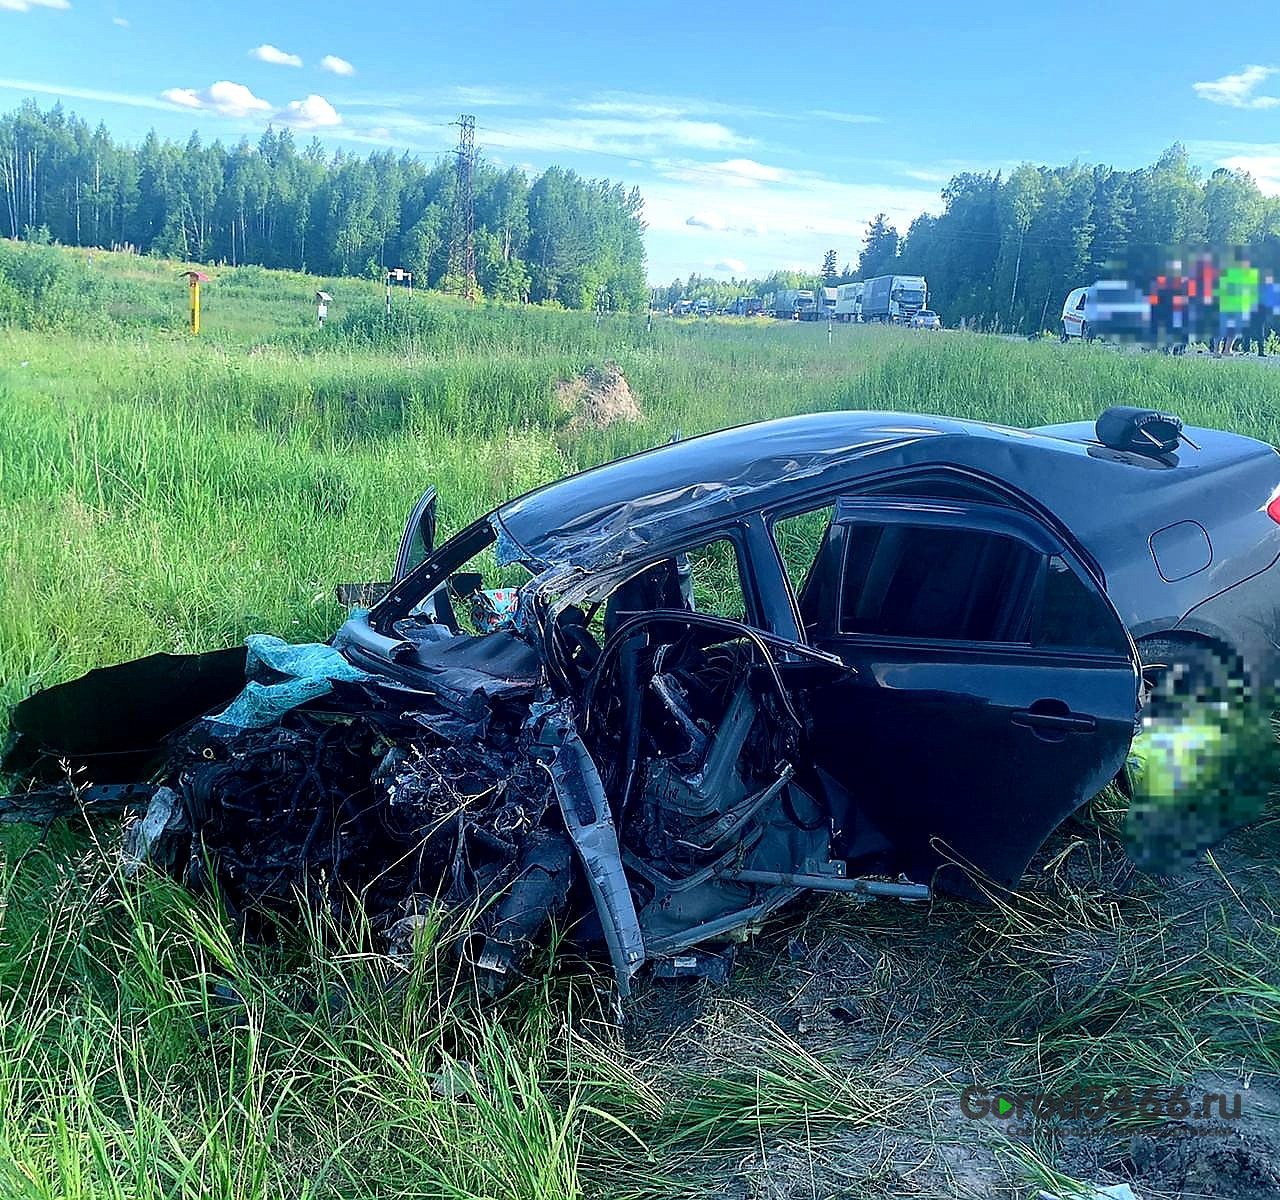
<point>1106,306</point>
<point>1073,313</point>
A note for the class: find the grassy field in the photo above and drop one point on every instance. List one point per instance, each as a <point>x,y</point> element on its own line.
<point>159,492</point>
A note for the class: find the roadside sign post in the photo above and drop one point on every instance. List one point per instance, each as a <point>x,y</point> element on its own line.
<point>194,280</point>
<point>322,306</point>
<point>400,275</point>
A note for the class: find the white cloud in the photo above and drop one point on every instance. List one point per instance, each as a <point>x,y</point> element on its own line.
<point>707,220</point>
<point>28,5</point>
<point>1236,91</point>
<point>444,99</point>
<point>235,100</point>
<point>1265,169</point>
<point>729,266</point>
<point>225,98</point>
<point>732,172</point>
<point>747,170</point>
<point>1259,159</point>
<point>844,118</point>
<point>649,110</point>
<point>268,53</point>
<point>315,112</point>
<point>482,96</point>
<point>339,66</point>
<point>653,107</point>
<point>124,24</point>
<point>642,138</point>
<point>65,91</point>
<point>927,175</point>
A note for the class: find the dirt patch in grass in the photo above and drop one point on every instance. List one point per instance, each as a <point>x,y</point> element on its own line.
<point>1244,1167</point>
<point>597,398</point>
<point>1096,974</point>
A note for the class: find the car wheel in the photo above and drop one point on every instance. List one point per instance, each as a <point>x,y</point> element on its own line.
<point>1191,672</point>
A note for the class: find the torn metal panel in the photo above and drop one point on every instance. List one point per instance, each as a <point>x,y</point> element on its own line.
<point>587,817</point>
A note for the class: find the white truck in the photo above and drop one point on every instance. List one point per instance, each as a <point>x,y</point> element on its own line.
<point>893,298</point>
<point>849,302</point>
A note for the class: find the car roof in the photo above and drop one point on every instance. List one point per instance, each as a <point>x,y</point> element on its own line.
<point>611,511</point>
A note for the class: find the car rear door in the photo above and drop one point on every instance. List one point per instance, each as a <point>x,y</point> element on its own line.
<point>996,688</point>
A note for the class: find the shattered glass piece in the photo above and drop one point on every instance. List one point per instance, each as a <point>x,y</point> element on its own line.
<point>506,549</point>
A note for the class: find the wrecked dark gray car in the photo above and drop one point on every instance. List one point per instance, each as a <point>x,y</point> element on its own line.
<point>855,652</point>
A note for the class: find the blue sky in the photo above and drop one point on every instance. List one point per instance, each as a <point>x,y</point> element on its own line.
<point>759,134</point>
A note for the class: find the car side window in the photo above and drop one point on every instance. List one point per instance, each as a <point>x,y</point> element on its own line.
<point>798,539</point>
<point>1070,616</point>
<point>1080,303</point>
<point>936,582</point>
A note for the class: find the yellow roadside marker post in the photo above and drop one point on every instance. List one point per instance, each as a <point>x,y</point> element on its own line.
<point>194,280</point>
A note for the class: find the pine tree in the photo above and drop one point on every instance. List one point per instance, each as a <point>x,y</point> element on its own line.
<point>880,248</point>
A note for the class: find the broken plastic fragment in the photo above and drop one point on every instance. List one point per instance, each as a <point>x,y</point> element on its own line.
<point>162,837</point>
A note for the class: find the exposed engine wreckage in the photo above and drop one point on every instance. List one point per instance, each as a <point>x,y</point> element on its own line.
<point>479,794</point>
<point>603,749</point>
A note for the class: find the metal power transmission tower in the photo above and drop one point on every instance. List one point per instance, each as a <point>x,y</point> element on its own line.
<point>462,247</point>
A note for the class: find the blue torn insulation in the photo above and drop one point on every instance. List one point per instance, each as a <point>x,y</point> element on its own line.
<point>311,668</point>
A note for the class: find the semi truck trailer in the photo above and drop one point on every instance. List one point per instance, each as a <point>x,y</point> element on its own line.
<point>893,298</point>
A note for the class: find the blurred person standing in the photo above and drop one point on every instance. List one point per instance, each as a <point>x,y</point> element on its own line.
<point>1202,313</point>
<point>1168,299</point>
<point>1268,309</point>
<point>1236,303</point>
<point>1161,300</point>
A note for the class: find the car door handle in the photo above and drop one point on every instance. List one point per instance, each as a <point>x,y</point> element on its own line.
<point>1040,721</point>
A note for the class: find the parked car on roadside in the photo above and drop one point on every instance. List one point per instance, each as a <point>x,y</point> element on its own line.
<point>875,653</point>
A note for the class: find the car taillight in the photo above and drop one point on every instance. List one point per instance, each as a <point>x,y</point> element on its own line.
<point>1273,509</point>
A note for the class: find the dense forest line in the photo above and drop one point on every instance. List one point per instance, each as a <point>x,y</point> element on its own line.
<point>558,238</point>
<point>1006,249</point>
<point>1003,253</point>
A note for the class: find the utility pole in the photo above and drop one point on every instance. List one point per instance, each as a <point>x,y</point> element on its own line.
<point>462,246</point>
